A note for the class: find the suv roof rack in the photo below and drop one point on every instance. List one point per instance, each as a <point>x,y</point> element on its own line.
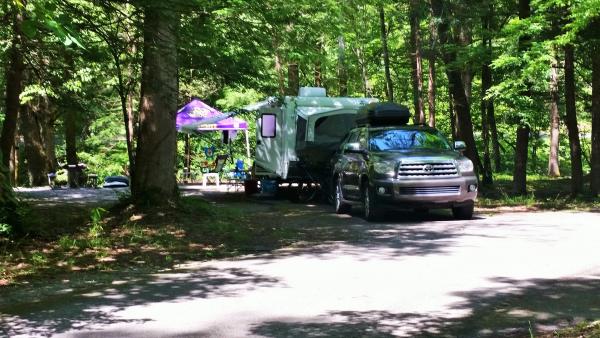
<point>382,114</point>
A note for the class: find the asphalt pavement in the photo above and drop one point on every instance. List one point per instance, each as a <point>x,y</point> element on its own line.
<point>497,275</point>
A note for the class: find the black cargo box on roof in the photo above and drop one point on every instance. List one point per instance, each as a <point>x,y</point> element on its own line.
<point>382,114</point>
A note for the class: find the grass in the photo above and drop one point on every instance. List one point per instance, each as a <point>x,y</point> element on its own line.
<point>126,237</point>
<point>543,194</point>
<point>581,330</point>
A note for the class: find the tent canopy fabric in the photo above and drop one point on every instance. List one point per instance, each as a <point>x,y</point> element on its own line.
<point>196,116</point>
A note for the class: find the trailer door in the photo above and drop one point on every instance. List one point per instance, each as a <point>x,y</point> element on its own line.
<point>269,143</point>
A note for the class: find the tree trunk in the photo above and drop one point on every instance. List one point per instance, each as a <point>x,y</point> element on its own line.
<point>342,72</point>
<point>432,72</point>
<point>386,57</point>
<point>460,102</point>
<point>38,161</point>
<point>278,67</point>
<point>154,175</point>
<point>14,86</point>
<point>416,61</point>
<point>452,115</point>
<point>571,122</point>
<point>464,40</point>
<point>486,83</point>
<point>553,160</point>
<point>520,169</point>
<point>491,119</point>
<point>364,73</point>
<point>293,80</point>
<point>595,165</point>
<point>318,74</point>
<point>70,116</point>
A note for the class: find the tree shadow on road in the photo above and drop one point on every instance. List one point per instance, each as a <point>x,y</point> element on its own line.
<point>95,303</point>
<point>542,305</point>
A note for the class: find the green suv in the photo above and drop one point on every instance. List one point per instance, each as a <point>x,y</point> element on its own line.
<point>384,163</point>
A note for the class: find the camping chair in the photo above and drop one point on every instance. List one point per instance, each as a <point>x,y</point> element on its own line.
<point>237,176</point>
<point>215,173</point>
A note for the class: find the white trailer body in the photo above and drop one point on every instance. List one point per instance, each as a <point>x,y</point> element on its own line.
<point>285,127</point>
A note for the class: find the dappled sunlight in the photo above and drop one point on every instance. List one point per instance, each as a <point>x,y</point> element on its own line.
<point>100,306</point>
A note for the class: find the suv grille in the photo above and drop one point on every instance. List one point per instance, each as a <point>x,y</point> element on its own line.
<point>442,168</point>
<point>416,191</point>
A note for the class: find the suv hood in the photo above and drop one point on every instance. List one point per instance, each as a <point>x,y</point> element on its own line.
<point>426,155</point>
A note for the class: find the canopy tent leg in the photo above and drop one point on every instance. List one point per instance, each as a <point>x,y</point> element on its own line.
<point>247,143</point>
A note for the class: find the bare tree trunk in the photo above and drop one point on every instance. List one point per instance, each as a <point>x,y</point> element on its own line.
<point>432,72</point>
<point>364,74</point>
<point>386,57</point>
<point>465,39</point>
<point>278,67</point>
<point>70,116</point>
<point>452,115</point>
<point>520,169</point>
<point>14,86</point>
<point>342,72</point>
<point>491,119</point>
<point>486,83</point>
<point>154,174</point>
<point>417,67</point>
<point>460,101</point>
<point>293,80</point>
<point>35,149</point>
<point>553,164</point>
<point>595,165</point>
<point>571,122</point>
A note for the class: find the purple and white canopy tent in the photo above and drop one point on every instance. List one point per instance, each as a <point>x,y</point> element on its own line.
<point>197,117</point>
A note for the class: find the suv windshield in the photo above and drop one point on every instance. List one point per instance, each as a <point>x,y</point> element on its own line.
<point>400,139</point>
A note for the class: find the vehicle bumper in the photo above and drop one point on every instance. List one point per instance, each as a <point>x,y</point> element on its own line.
<point>436,193</point>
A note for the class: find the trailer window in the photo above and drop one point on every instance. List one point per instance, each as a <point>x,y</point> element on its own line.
<point>268,125</point>
<point>333,128</point>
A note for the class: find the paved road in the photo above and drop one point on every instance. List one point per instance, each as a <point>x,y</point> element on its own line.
<point>496,275</point>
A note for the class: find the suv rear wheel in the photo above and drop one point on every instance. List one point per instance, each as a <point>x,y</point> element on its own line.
<point>340,206</point>
<point>464,212</point>
<point>371,211</point>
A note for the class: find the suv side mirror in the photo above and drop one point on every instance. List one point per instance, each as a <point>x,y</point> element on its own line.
<point>352,147</point>
<point>460,145</point>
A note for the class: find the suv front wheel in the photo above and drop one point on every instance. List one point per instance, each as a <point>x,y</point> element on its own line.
<point>464,212</point>
<point>340,206</point>
<point>371,211</point>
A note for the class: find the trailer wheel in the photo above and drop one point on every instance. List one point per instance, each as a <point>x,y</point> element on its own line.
<point>307,191</point>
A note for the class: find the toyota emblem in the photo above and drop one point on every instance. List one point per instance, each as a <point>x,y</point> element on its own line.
<point>428,167</point>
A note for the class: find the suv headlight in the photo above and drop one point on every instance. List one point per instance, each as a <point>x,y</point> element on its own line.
<point>385,167</point>
<point>465,165</point>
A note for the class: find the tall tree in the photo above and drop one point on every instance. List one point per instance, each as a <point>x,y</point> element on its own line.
<point>571,121</point>
<point>432,57</point>
<point>14,86</point>
<point>595,167</point>
<point>459,99</point>
<point>487,103</point>
<point>523,129</point>
<point>342,68</point>
<point>154,174</point>
<point>389,86</point>
<point>416,60</point>
<point>553,160</point>
<point>38,135</point>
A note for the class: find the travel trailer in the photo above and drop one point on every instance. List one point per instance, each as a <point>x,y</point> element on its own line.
<point>296,135</point>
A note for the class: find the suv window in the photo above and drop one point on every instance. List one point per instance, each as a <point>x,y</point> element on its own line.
<point>401,139</point>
